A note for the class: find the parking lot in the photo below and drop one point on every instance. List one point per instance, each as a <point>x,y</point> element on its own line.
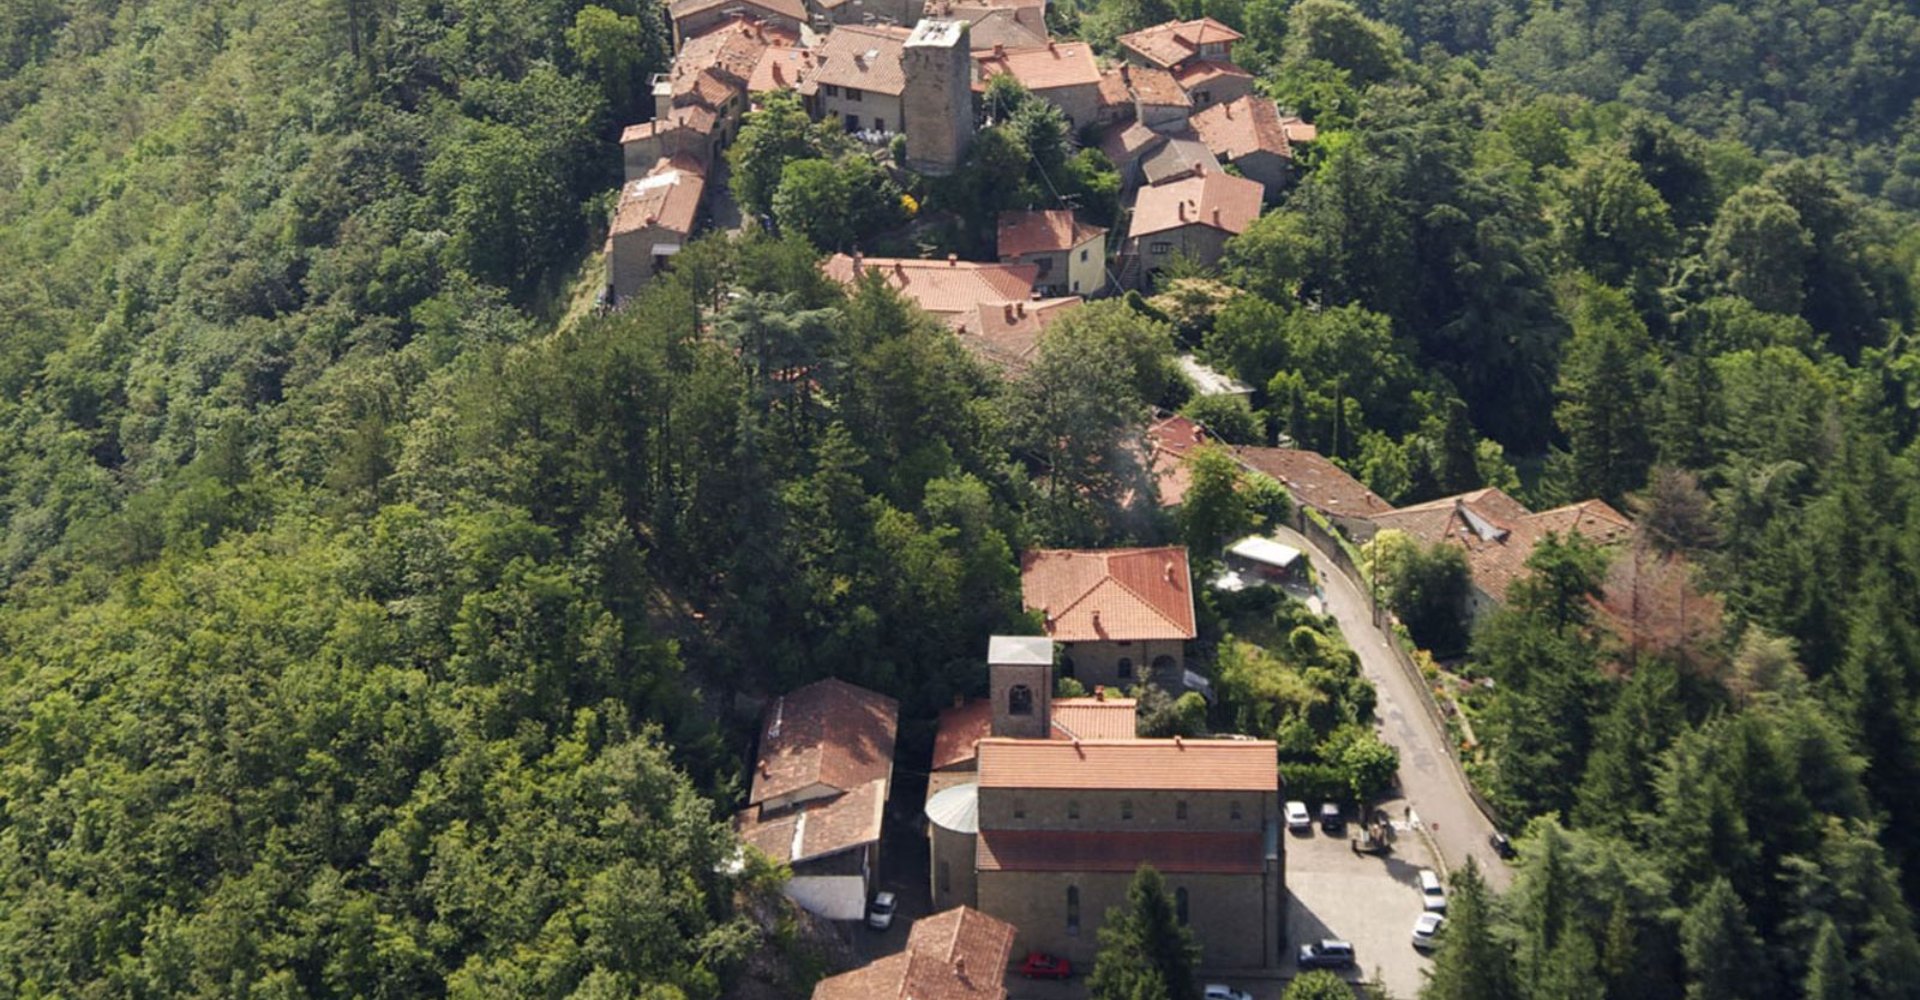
<point>1371,901</point>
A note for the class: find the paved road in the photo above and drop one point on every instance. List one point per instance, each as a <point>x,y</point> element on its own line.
<point>1429,780</point>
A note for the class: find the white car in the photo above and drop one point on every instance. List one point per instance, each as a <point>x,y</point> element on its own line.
<point>1426,931</point>
<point>1298,818</point>
<point>1216,991</point>
<point>880,911</point>
<point>1432,893</point>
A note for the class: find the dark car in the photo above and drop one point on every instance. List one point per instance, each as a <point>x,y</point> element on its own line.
<point>1332,820</point>
<point>1327,954</point>
<point>1501,845</point>
<point>1040,965</point>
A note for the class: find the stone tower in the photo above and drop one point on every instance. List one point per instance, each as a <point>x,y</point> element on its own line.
<point>1020,668</point>
<point>938,100</point>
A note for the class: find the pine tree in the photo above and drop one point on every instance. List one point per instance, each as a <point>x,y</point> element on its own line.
<point>1724,958</point>
<point>1145,953</point>
<point>1606,382</point>
<point>1473,964</point>
<point>1828,976</point>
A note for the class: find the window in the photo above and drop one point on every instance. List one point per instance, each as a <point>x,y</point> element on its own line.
<point>1233,809</point>
<point>1045,264</point>
<point>853,94</point>
<point>1164,664</point>
<point>1073,909</point>
<point>1083,255</point>
<point>1126,668</point>
<point>1020,700</point>
<point>1126,808</point>
<point>879,124</point>
<point>1180,904</point>
<point>1180,809</point>
<point>1160,247</point>
<point>1019,809</point>
<point>853,123</point>
<point>946,877</point>
<point>1125,643</point>
<point>832,91</point>
<point>1202,97</point>
<point>1066,666</point>
<point>1073,808</point>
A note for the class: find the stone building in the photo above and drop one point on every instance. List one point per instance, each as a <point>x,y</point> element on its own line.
<point>1065,803</point>
<point>859,79</point>
<point>938,96</point>
<point>1064,74</point>
<point>1251,133</point>
<point>655,218</point>
<point>1191,218</point>
<point>1117,613</point>
<point>957,954</point>
<point>1070,256</point>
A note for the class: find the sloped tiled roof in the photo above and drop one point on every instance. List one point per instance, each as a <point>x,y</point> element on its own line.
<point>1113,88</point>
<point>828,733</point>
<point>1174,42</point>
<point>668,197</point>
<point>1124,144</point>
<point>795,10</point>
<point>1314,481</point>
<point>1219,200</point>
<point>1141,764</point>
<point>862,57</point>
<point>940,286</point>
<point>958,954</point>
<point>1169,441</point>
<point>1041,67</point>
<point>1094,718</point>
<point>959,728</point>
<point>1499,533</point>
<point>1047,231</point>
<point>1183,852</point>
<point>1182,155</point>
<point>818,828</point>
<point>1203,72</point>
<point>781,67</point>
<point>1246,125</point>
<point>695,117</point>
<point>1155,87</point>
<point>1120,595</point>
<point>1596,520</point>
<point>729,50</point>
<point>991,26</point>
<point>1007,334</point>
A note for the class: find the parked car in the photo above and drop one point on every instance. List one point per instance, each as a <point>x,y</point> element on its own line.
<point>1332,820</point>
<point>1501,845</point>
<point>1297,817</point>
<point>1432,893</point>
<point>1326,954</point>
<point>880,911</point>
<point>1426,931</point>
<point>1219,991</point>
<point>1040,965</point>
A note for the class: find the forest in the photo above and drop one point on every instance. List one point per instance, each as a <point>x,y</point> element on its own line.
<point>377,621</point>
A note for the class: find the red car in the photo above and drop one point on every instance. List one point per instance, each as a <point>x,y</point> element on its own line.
<point>1040,965</point>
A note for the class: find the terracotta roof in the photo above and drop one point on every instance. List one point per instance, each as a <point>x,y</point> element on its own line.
<point>1108,851</point>
<point>960,727</point>
<point>1094,718</point>
<point>729,50</point>
<point>1041,67</point>
<point>1249,124</point>
<point>965,937</point>
<point>1174,42</point>
<point>668,197</point>
<point>1007,334</point>
<point>1169,441</point>
<point>1048,231</point>
<point>1499,533</point>
<point>862,57</point>
<point>699,119</point>
<point>991,26</point>
<point>941,286</point>
<point>781,67</point>
<point>1201,72</point>
<point>1124,144</point>
<point>1155,86</point>
<point>1113,88</point>
<point>818,828</point>
<point>1314,481</point>
<point>828,733</point>
<point>1119,765</point>
<point>793,9</point>
<point>1110,594</point>
<point>1219,200</point>
<point>1182,155</point>
<point>922,974</point>
<point>1301,131</point>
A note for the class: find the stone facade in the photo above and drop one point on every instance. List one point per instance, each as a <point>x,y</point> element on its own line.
<point>953,874</point>
<point>860,110</point>
<point>1121,665</point>
<point>1147,255</point>
<point>938,101</point>
<point>1239,920</point>
<point>1129,810</point>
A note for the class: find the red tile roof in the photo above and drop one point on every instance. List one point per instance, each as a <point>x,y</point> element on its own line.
<point>1094,718</point>
<point>781,67</point>
<point>940,286</point>
<point>1113,88</point>
<point>828,733</point>
<point>1314,481</point>
<point>1110,594</point>
<point>1202,72</point>
<point>699,119</point>
<point>1142,764</point>
<point>994,26</point>
<point>961,955</point>
<point>793,10</point>
<point>1049,231</point>
<point>1249,124</point>
<point>1175,42</point>
<point>1041,67</point>
<point>1218,200</point>
<point>1007,334</point>
<point>1169,441</point>
<point>1108,851</point>
<point>1155,87</point>
<point>862,57</point>
<point>958,730</point>
<point>1499,533</point>
<point>1593,519</point>
<point>818,828</point>
<point>668,197</point>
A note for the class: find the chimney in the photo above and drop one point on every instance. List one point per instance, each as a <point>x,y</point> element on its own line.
<point>960,966</point>
<point>1169,571</point>
<point>1096,618</point>
<point>1051,48</point>
<point>1099,692</point>
<point>1183,211</point>
<point>953,260</point>
<point>1008,310</point>
<point>857,259</point>
<point>1020,309</point>
<point>1176,741</point>
<point>1216,216</point>
<point>999,50</point>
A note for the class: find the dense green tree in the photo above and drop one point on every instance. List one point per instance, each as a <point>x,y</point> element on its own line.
<point>1144,950</point>
<point>1215,510</point>
<point>1317,984</point>
<point>1473,963</point>
<point>1760,248</point>
<point>1605,381</point>
<point>1335,32</point>
<point>1616,227</point>
<point>1724,957</point>
<point>772,135</point>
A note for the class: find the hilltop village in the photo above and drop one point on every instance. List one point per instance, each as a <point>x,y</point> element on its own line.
<point>1196,151</point>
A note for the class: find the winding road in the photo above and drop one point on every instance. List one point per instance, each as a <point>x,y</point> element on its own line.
<point>1430,782</point>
